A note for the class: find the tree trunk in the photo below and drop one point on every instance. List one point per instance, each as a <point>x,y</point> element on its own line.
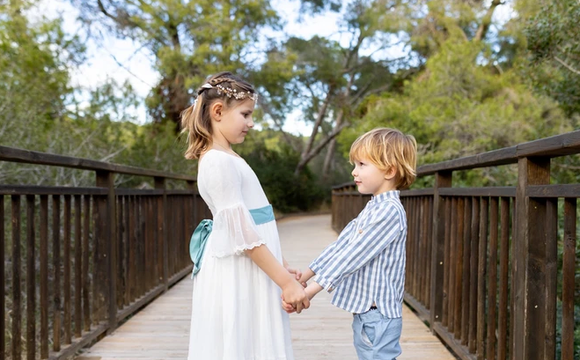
<point>319,119</point>
<point>331,148</point>
<point>486,21</point>
<point>328,160</point>
<point>302,164</point>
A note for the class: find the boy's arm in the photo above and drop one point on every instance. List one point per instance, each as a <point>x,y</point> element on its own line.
<point>306,275</point>
<point>292,292</point>
<point>384,227</point>
<point>328,252</point>
<point>312,289</point>
<point>297,273</point>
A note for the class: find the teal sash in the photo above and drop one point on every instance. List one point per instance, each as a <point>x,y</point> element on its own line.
<point>203,230</point>
<point>263,215</point>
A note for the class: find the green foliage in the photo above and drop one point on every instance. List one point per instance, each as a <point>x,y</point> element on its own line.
<point>286,191</point>
<point>553,37</point>
<point>189,40</point>
<point>459,106</point>
<point>33,70</point>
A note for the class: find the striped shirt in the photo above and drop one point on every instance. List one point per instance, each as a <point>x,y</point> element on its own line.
<point>366,264</point>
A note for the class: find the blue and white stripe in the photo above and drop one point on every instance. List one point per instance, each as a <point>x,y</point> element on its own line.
<point>366,264</point>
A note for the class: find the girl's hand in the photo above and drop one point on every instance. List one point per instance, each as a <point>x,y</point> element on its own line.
<point>294,294</point>
<point>287,307</point>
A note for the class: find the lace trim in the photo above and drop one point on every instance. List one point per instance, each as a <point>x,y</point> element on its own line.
<point>239,250</point>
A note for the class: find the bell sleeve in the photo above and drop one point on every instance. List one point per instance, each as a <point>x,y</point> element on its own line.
<point>234,230</point>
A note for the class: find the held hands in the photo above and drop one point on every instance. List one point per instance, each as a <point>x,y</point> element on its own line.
<point>294,296</point>
<point>288,306</point>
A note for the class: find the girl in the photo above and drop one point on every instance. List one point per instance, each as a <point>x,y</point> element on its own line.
<point>236,312</point>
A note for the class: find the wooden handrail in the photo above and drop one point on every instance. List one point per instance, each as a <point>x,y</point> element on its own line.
<point>555,146</point>
<point>551,147</point>
<point>40,158</point>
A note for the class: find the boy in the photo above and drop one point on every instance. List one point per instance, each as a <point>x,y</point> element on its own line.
<point>365,266</point>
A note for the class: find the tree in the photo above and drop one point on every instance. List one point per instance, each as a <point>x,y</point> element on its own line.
<point>332,79</point>
<point>462,103</point>
<point>553,37</point>
<point>188,39</point>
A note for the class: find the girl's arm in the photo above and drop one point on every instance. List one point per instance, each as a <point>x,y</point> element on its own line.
<point>292,292</point>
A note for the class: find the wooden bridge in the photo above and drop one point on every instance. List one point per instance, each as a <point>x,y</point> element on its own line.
<point>483,266</point>
<point>161,331</point>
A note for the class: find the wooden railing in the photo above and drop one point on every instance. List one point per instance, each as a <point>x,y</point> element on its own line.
<point>75,262</point>
<point>482,263</point>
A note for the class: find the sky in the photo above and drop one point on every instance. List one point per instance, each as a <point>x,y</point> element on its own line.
<point>122,59</point>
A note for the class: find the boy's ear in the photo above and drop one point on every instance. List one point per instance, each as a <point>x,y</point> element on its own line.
<point>391,173</point>
<point>215,110</point>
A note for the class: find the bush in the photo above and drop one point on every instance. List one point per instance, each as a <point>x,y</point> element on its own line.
<point>286,191</point>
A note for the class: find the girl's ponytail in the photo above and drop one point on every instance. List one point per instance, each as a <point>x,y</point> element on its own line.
<point>198,128</point>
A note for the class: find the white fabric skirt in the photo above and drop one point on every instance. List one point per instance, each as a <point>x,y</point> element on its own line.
<point>236,308</point>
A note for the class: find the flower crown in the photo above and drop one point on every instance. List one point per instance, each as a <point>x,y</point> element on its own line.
<point>230,92</point>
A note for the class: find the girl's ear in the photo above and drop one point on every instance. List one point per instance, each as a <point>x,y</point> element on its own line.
<point>215,110</point>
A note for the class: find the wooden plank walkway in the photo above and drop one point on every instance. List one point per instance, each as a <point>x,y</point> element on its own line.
<point>161,330</point>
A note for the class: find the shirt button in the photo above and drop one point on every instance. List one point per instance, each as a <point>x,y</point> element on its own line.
<point>360,231</point>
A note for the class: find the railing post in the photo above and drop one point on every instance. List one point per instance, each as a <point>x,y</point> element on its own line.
<point>108,223</point>
<point>529,282</point>
<point>443,179</point>
<point>193,221</point>
<point>162,216</point>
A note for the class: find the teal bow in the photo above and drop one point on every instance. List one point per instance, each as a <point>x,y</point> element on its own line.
<point>197,243</point>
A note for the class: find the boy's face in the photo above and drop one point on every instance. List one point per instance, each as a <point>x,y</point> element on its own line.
<point>370,179</point>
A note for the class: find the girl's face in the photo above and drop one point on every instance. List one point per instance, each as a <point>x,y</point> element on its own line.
<point>236,121</point>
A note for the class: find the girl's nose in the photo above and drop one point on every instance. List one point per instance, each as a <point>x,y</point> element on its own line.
<point>251,123</point>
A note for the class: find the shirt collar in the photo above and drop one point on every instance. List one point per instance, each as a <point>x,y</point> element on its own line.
<point>393,194</point>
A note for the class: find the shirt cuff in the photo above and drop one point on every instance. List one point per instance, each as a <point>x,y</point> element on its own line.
<point>314,267</point>
<point>325,283</point>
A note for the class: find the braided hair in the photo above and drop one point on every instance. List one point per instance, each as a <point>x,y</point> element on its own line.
<point>196,120</point>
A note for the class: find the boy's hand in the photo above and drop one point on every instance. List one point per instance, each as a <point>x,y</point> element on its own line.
<point>287,307</point>
<point>305,277</point>
<point>297,273</point>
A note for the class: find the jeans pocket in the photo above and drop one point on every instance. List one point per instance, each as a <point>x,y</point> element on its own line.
<point>368,333</point>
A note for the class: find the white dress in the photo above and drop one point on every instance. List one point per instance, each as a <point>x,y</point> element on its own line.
<point>236,308</point>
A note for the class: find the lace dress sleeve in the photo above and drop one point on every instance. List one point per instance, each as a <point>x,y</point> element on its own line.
<point>234,229</point>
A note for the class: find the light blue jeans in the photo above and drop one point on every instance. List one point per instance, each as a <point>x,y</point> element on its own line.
<point>376,337</point>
